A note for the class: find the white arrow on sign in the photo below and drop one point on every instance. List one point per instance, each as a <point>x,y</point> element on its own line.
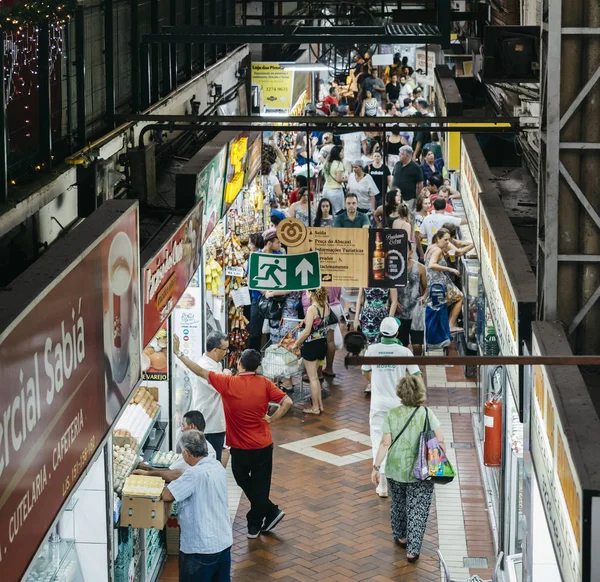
<point>303,269</point>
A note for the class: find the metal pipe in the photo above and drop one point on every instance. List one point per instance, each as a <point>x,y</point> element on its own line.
<point>187,60</point>
<point>44,103</point>
<point>80,75</point>
<point>135,54</point>
<point>109,62</point>
<point>173,45</point>
<point>474,360</point>
<point>329,122</point>
<point>587,334</point>
<point>154,61</point>
<point>3,134</point>
<point>145,64</point>
<point>570,80</point>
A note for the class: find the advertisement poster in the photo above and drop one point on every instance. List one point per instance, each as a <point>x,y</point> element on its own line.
<point>69,362</point>
<point>236,165</point>
<point>276,85</point>
<point>187,322</point>
<point>167,275</point>
<point>343,252</point>
<point>253,160</point>
<point>388,257</point>
<point>155,357</point>
<point>211,189</point>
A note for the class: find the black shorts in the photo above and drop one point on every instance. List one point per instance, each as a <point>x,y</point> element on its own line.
<point>410,336</point>
<point>314,351</point>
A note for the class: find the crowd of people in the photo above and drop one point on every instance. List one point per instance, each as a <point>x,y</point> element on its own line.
<point>362,179</point>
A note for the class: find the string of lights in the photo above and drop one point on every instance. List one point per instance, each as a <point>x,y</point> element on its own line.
<point>16,15</point>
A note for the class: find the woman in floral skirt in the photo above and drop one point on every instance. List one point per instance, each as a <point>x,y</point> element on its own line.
<point>372,307</point>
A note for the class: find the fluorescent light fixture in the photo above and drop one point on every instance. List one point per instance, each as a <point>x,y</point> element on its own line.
<point>308,67</point>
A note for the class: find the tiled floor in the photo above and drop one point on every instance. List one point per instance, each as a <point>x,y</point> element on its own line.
<point>336,528</point>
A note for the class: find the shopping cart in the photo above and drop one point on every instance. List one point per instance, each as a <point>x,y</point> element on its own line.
<point>279,364</point>
<point>448,576</point>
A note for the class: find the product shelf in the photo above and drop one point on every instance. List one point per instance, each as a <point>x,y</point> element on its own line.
<point>157,566</point>
<point>54,563</point>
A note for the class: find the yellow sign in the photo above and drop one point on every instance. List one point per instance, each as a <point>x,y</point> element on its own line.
<point>276,85</point>
<point>342,251</point>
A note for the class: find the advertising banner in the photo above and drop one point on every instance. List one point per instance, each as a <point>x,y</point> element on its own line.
<point>388,257</point>
<point>167,275</point>
<point>276,85</point>
<point>253,159</point>
<point>187,322</point>
<point>425,61</point>
<point>155,357</point>
<point>211,189</point>
<point>236,159</point>
<point>343,252</point>
<point>470,189</point>
<point>69,362</point>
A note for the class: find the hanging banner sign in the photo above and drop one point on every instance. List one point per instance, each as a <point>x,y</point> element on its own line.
<point>210,188</point>
<point>388,257</point>
<point>276,85</point>
<point>425,61</point>
<point>70,360</point>
<point>558,481</point>
<point>343,252</point>
<point>470,190</point>
<point>236,159</point>
<point>167,275</point>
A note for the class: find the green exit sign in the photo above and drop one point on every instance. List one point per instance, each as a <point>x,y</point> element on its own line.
<point>284,272</point>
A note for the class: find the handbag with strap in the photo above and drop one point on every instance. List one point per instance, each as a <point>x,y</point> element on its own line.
<point>332,318</point>
<point>431,463</point>
<point>405,427</point>
<point>271,308</point>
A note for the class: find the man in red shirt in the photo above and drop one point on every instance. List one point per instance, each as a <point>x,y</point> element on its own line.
<point>246,398</point>
<point>331,99</point>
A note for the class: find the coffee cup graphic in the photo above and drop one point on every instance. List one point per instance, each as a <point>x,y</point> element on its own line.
<point>120,275</point>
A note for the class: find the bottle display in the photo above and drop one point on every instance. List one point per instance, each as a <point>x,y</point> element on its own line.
<point>378,259</point>
<point>490,344</point>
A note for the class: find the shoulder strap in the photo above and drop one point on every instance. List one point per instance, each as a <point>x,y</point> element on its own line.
<point>405,427</point>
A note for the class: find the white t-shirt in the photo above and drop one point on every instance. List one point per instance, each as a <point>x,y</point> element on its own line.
<point>384,379</point>
<point>433,222</point>
<point>181,465</point>
<point>353,145</point>
<point>207,400</point>
<point>364,190</point>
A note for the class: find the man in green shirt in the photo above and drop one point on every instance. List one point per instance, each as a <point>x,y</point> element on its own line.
<point>351,217</point>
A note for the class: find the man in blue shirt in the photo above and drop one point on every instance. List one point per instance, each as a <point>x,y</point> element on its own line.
<point>201,495</point>
<point>351,217</point>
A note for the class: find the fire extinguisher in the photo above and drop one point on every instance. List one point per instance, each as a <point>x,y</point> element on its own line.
<point>492,420</point>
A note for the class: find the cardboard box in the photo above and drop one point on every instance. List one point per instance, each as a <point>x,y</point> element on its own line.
<point>145,513</point>
<point>173,535</point>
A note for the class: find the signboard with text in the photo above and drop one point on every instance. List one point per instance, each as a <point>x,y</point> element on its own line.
<point>470,189</point>
<point>211,189</point>
<point>236,159</point>
<point>284,272</point>
<point>558,482</point>
<point>69,361</point>
<point>167,275</point>
<point>253,159</point>
<point>276,85</point>
<point>388,257</point>
<point>343,252</point>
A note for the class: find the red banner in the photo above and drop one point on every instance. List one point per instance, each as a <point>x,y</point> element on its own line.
<point>63,380</point>
<point>167,275</point>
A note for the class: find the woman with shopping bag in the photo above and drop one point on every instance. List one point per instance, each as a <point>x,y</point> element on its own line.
<point>410,497</point>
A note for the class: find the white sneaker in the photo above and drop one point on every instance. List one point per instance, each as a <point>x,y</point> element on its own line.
<point>382,488</point>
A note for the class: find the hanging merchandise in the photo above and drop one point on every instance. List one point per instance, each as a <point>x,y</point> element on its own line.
<point>235,260</point>
<point>212,275</point>
<point>490,344</point>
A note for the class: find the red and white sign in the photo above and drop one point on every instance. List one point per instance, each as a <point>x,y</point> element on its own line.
<point>167,275</point>
<point>69,362</point>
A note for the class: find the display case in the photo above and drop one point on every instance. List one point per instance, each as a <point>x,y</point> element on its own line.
<point>471,283</point>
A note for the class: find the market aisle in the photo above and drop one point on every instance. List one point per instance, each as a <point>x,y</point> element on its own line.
<point>336,528</point>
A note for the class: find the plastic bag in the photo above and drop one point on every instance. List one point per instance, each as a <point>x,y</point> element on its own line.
<point>418,317</point>
<point>338,338</point>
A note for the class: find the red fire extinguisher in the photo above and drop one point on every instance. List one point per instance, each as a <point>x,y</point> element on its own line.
<point>492,419</point>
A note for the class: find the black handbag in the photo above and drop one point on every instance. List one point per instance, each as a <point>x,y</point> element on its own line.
<point>332,318</point>
<point>271,308</point>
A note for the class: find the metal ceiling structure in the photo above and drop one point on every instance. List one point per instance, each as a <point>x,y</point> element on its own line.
<point>305,34</point>
<point>569,196</point>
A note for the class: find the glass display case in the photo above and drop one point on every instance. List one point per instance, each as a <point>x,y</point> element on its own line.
<point>471,284</point>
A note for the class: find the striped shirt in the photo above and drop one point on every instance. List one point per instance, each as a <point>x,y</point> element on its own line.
<point>201,495</point>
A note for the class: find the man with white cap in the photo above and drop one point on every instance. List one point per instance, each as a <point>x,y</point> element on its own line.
<point>384,380</point>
